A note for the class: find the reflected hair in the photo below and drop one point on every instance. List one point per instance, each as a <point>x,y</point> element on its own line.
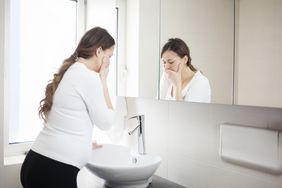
<point>86,48</point>
<point>179,47</point>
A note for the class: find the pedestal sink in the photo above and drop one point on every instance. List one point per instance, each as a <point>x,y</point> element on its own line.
<point>121,169</point>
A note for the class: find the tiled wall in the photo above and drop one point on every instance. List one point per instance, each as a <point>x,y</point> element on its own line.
<point>186,136</point>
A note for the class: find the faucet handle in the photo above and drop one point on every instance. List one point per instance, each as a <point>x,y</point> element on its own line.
<point>139,117</point>
<point>133,117</point>
<point>141,133</point>
<point>140,127</point>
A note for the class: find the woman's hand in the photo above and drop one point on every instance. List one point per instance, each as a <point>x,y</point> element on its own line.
<point>104,69</point>
<point>175,76</point>
<point>95,145</point>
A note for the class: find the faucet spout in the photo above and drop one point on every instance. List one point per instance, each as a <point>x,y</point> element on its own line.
<point>141,134</point>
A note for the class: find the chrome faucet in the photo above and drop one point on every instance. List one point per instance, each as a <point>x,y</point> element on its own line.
<point>141,134</point>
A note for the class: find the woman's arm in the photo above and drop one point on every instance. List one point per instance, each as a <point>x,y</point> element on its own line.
<point>95,95</point>
<point>107,95</point>
<point>175,79</point>
<point>177,92</point>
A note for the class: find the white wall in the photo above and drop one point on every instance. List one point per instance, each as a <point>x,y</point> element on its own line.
<point>11,176</point>
<point>186,135</point>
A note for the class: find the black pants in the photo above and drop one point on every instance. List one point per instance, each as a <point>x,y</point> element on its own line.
<point>39,171</point>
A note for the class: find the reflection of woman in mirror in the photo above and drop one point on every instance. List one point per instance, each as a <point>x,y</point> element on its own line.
<point>181,81</point>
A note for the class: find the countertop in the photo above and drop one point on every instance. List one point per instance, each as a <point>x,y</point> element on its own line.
<point>157,182</point>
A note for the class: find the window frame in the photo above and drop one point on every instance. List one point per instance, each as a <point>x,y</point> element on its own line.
<point>20,148</point>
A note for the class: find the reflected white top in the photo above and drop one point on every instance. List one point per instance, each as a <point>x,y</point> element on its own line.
<point>197,90</point>
<point>78,103</point>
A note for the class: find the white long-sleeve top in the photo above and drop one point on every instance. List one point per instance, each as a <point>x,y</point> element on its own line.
<point>197,90</point>
<point>78,104</point>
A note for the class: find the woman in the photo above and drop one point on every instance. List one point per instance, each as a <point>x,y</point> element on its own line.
<point>181,81</point>
<point>76,98</point>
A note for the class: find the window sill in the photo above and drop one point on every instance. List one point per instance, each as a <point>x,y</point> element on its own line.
<point>13,160</point>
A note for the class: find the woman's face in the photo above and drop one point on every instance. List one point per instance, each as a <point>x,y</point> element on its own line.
<point>105,55</point>
<point>170,60</point>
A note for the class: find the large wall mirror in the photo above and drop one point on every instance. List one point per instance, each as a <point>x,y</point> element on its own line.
<point>235,44</point>
<point>207,28</point>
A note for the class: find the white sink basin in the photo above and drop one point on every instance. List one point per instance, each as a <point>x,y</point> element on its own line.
<point>121,169</point>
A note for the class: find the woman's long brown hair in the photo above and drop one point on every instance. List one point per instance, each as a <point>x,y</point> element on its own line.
<point>89,43</point>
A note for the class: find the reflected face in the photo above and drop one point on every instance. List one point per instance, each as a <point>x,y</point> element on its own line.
<point>170,60</point>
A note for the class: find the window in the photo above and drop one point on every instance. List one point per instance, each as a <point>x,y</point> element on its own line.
<point>40,35</point>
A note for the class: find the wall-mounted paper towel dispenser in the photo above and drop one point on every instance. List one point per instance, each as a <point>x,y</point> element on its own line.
<point>252,147</point>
